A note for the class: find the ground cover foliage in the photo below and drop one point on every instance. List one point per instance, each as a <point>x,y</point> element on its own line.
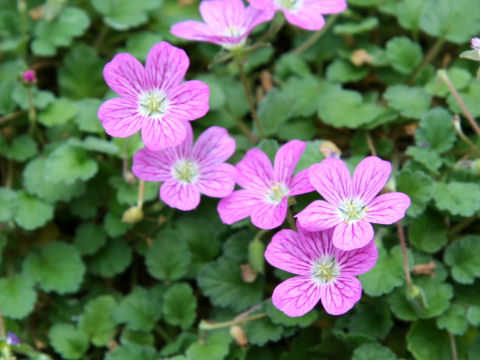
<point>383,77</point>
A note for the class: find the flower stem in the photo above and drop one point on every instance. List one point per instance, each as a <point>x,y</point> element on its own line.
<point>444,76</point>
<point>403,244</point>
<point>3,333</point>
<point>32,112</point>
<point>431,55</point>
<point>291,220</point>
<point>316,35</point>
<point>458,128</point>
<point>371,145</point>
<point>141,193</point>
<point>208,326</point>
<point>163,334</point>
<point>453,346</point>
<point>11,116</point>
<point>243,77</point>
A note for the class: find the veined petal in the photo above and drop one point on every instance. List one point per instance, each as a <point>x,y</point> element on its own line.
<point>269,216</point>
<point>253,17</point>
<point>193,30</point>
<point>221,14</point>
<point>286,160</point>
<point>179,195</point>
<point>331,179</point>
<point>166,66</point>
<point>296,296</point>
<point>125,75</point>
<point>354,235</point>
<point>217,182</point>
<point>341,295</point>
<point>255,171</point>
<point>326,6</point>
<point>236,206</point>
<point>159,134</point>
<point>369,178</point>
<point>151,165</point>
<point>300,184</point>
<point>263,4</point>
<point>307,17</point>
<point>189,101</point>
<point>319,215</point>
<point>387,208</point>
<point>213,146</point>
<point>358,261</point>
<point>120,117</point>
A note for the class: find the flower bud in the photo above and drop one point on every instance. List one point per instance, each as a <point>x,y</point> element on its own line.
<point>238,335</point>
<point>256,250</point>
<point>132,215</point>
<point>29,76</point>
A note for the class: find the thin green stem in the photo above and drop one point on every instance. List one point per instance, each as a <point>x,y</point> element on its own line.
<point>11,116</point>
<point>371,145</point>
<point>141,193</point>
<point>32,112</point>
<point>291,220</point>
<point>22,10</point>
<point>453,346</point>
<point>3,333</point>
<point>403,244</point>
<point>316,35</point>
<point>431,55</point>
<point>208,326</point>
<point>163,334</point>
<point>243,78</point>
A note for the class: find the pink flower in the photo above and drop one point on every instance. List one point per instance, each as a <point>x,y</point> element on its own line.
<point>29,76</point>
<point>475,43</point>
<point>306,14</point>
<point>153,98</point>
<point>189,170</point>
<point>265,191</point>
<point>351,205</point>
<point>227,23</point>
<point>324,272</point>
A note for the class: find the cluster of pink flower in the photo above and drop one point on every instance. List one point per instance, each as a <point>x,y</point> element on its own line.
<point>334,242</point>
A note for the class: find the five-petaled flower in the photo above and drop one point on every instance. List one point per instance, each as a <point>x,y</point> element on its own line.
<point>227,23</point>
<point>323,271</point>
<point>306,14</point>
<point>190,169</point>
<point>266,189</point>
<point>153,98</point>
<point>351,204</point>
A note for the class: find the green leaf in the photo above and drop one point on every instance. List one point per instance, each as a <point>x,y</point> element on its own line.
<point>125,14</point>
<point>34,180</point>
<point>411,102</point>
<point>168,257</point>
<point>290,65</point>
<point>408,13</point>
<point>92,143</point>
<point>462,257</point>
<point>56,267</point>
<point>274,109</point>
<point>132,352</point>
<point>343,71</point>
<point>352,28</point>
<point>455,20</point>
<point>459,77</point>
<point>454,320</point>
<point>86,119</point>
<point>41,98</point>
<point>81,74</point>
<point>473,315</point>
<point>426,342</point>
<point>6,90</point>
<point>216,347</point>
<point>179,305</point>
<point>417,185</point>
<point>128,193</point>
<point>425,156</point>
<point>373,351</point>
<point>140,310</point>
<point>8,204</point>
<point>404,55</point>
<point>263,330</point>
<point>217,97</point>
<point>89,238</point>
<point>22,148</point>
<point>436,129</point>
<point>71,23</point>
<point>60,112</point>
<point>112,259</point>
<point>373,320</point>
<point>428,232</point>
<point>471,98</point>
<point>69,163</point>
<point>136,337</point>
<point>459,198</point>
<point>387,273</point>
<point>31,212</point>
<point>68,341</point>
<point>17,296</point>
<point>279,318</point>
<point>97,320</point>
<point>222,282</point>
<point>139,44</point>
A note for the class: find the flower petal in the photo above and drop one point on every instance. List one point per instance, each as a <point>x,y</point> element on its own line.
<point>213,146</point>
<point>159,134</point>
<point>120,117</point>
<point>370,177</point>
<point>125,75</point>
<point>326,6</point>
<point>166,66</point>
<point>350,236</point>
<point>300,184</point>
<point>217,182</point>
<point>307,17</point>
<point>319,215</point>
<point>255,171</point>
<point>358,261</point>
<point>269,216</point>
<point>296,296</point>
<point>189,101</point>
<point>236,206</point>
<point>151,165</point>
<point>221,14</point>
<point>286,160</point>
<point>253,17</point>
<point>179,195</point>
<point>341,295</point>
<point>193,30</point>
<point>331,179</point>
<point>387,208</point>
<point>263,4</point>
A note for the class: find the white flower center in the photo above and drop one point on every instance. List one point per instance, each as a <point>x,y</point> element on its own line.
<point>326,270</point>
<point>276,193</point>
<point>153,103</point>
<point>233,31</point>
<point>289,4</point>
<point>186,171</point>
<point>352,210</point>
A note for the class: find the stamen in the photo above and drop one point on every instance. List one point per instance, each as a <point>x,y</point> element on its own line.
<point>352,210</point>
<point>276,192</point>
<point>326,270</point>
<point>186,171</point>
<point>153,103</point>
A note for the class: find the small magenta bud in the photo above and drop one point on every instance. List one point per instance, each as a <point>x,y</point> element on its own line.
<point>29,76</point>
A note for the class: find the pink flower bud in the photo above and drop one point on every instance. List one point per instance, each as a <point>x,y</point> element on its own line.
<point>29,76</point>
